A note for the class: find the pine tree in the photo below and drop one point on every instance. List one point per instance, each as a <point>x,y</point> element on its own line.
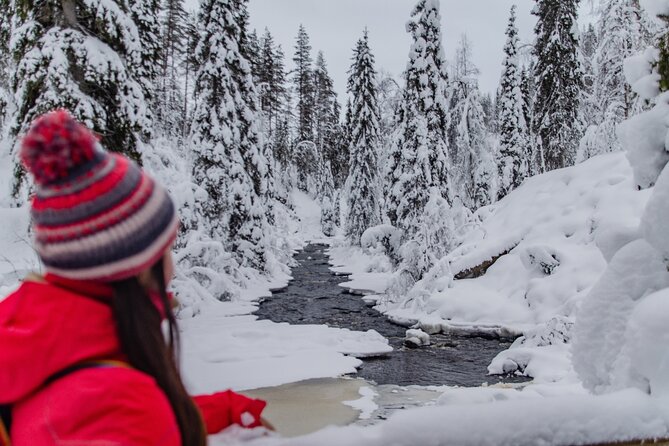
<point>281,144</point>
<point>5,57</point>
<point>145,14</point>
<point>79,56</point>
<point>557,124</point>
<point>271,82</point>
<point>229,162</point>
<point>465,122</point>
<point>513,145</point>
<point>529,89</point>
<point>190,65</point>
<point>171,101</point>
<point>363,207</point>
<point>328,196</point>
<point>326,111</point>
<point>473,166</point>
<point>174,35</point>
<point>342,158</point>
<point>623,30</point>
<point>304,87</point>
<point>422,122</point>
<point>662,65</point>
<point>490,112</point>
<point>252,53</point>
<point>588,47</point>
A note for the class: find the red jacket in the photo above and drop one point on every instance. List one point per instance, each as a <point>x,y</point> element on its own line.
<point>45,329</point>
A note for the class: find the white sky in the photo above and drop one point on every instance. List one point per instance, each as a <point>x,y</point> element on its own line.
<point>335,25</point>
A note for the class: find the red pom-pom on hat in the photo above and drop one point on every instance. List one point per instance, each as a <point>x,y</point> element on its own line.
<point>55,145</point>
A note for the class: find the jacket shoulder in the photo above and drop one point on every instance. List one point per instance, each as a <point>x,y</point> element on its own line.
<point>115,405</point>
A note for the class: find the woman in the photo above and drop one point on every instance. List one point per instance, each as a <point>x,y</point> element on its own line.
<point>83,359</point>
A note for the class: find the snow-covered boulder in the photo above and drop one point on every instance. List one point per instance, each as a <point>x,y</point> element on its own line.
<point>634,272</point>
<point>644,136</point>
<point>417,338</point>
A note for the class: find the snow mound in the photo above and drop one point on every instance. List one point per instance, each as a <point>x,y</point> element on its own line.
<point>538,252</point>
<point>635,271</point>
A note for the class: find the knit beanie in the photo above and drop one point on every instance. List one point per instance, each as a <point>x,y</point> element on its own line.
<point>96,215</point>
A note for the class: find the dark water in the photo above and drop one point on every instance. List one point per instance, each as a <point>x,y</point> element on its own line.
<point>314,297</point>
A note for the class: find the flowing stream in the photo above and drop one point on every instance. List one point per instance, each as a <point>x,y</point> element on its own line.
<point>315,297</point>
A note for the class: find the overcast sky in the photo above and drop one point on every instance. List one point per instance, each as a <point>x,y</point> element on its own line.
<point>335,25</point>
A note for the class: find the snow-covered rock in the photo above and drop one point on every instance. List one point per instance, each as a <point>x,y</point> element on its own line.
<point>417,338</point>
<point>636,271</point>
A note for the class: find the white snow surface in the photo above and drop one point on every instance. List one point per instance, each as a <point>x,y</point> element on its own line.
<point>549,234</point>
<point>223,349</point>
<point>499,419</point>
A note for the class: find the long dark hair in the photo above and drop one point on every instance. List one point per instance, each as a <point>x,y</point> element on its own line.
<point>138,323</point>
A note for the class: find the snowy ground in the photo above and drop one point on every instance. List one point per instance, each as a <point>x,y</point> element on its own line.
<point>501,418</point>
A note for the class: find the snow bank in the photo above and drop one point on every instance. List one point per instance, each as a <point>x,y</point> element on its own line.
<point>573,419</point>
<point>601,330</point>
<point>370,272</point>
<point>223,349</point>
<point>544,239</point>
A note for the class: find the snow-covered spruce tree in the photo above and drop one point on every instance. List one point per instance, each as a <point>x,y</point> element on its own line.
<point>479,178</point>
<point>623,30</point>
<point>329,220</point>
<point>326,111</point>
<point>271,83</point>
<point>145,14</point>
<point>252,51</point>
<point>588,52</point>
<point>528,87</point>
<point>557,123</point>
<point>281,144</point>
<point>79,56</point>
<point>422,120</point>
<point>363,206</point>
<point>466,132</point>
<point>229,163</point>
<point>303,82</point>
<point>5,58</point>
<point>342,159</point>
<point>513,153</point>
<point>491,112</point>
<point>171,99</point>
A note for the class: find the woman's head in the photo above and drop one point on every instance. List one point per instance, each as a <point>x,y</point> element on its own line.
<point>98,217</point>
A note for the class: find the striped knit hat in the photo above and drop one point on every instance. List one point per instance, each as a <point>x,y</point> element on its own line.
<point>96,215</point>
